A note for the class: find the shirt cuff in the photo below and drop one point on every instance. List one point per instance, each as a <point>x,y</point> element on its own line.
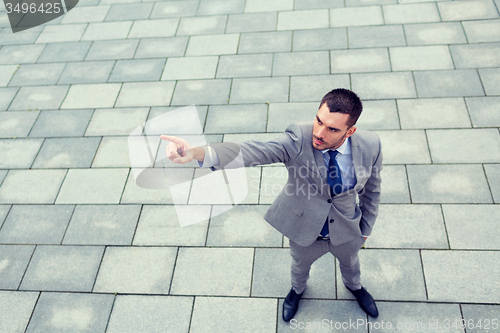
<point>211,159</point>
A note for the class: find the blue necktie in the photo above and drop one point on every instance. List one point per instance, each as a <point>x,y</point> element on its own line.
<point>334,179</point>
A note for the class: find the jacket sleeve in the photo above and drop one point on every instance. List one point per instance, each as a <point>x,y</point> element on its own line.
<point>369,198</point>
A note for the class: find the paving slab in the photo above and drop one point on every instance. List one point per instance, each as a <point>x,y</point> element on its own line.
<point>185,68</point>
<point>6,73</point>
<point>36,224</point>
<point>86,72</point>
<point>448,183</point>
<point>252,22</point>
<point>134,313</point>
<point>159,226</point>
<point>482,316</point>
<point>102,225</point>
<point>360,60</point>
<point>112,50</point>
<point>426,113</point>
<point>201,92</point>
<point>448,282</point>
<point>490,80</point>
<point>107,30</point>
<point>411,13</point>
<point>376,36</point>
<point>303,19</point>
<point>409,226</point>
<point>137,70</point>
<point>301,63</point>
<point>67,153</point>
<point>482,31</point>
<point>61,33</point>
<point>216,7</point>
<point>404,147</point>
<point>85,14</point>
<point>18,153</point>
<point>92,186</point>
<point>319,39</point>
<point>258,90</point>
<point>420,58</point>
<point>6,97</point>
<point>161,47</point>
<point>13,260</point>
<point>138,270</point>
<point>22,37</point>
<point>475,55</point>
<point>236,118</point>
<point>134,11</point>
<point>450,83</point>
<point>316,4</point>
<point>114,151</point>
<point>384,85</point>
<point>247,65</point>
<point>17,310</point>
<point>213,44</point>
<point>493,175</point>
<point>174,9</point>
<point>265,42</point>
<point>395,184</point>
<point>4,209</point>
<point>449,146</point>
<point>483,111</point>
<point>75,312</point>
<point>153,28</point>
<point>145,94</point>
<point>356,16</point>
<point>68,51</point>
<point>253,6</point>
<point>229,314</point>
<point>312,88</point>
<point>119,121</point>
<point>467,10</point>
<point>43,97</point>
<point>434,33</point>
<point>63,268</point>
<point>292,112</point>
<point>379,115</point>
<point>213,271</point>
<point>204,25</point>
<point>31,186</point>
<point>85,96</point>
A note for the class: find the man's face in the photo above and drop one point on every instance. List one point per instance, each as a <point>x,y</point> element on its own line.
<point>330,129</point>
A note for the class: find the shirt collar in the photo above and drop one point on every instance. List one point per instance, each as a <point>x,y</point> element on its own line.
<point>344,149</point>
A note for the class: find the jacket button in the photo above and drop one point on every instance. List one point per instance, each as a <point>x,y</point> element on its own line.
<point>331,221</point>
<point>329,200</point>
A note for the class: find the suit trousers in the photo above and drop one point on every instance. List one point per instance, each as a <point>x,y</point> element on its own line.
<point>347,255</point>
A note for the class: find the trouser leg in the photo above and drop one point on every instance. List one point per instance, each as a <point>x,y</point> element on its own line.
<point>347,255</point>
<point>302,259</point>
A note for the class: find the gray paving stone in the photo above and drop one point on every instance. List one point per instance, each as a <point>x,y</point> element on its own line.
<point>17,310</point>
<point>174,9</point>
<point>257,90</point>
<point>407,317</point>
<point>213,271</point>
<point>226,314</point>
<point>404,147</point>
<point>420,58</point>
<point>395,184</point>
<point>86,96</point>
<point>14,259</point>
<point>252,22</point>
<point>253,6</point>
<point>61,33</point>
<point>475,55</point>
<point>236,119</point>
<point>137,70</point>
<point>409,226</point>
<point>490,80</point>
<point>92,186</point>
<point>48,123</point>
<point>312,88</point>
<point>434,33</point>
<point>356,16</point>
<point>467,10</point>
<point>159,225</point>
<point>384,85</point>
<point>3,173</point>
<point>446,281</point>
<point>493,175</point>
<point>376,36</point>
<point>102,225</point>
<point>17,124</point>
<point>425,113</point>
<point>6,97</point>
<point>312,313</point>
<point>217,7</point>
<point>253,136</point>
<point>228,228</point>
<point>389,275</point>
<point>154,28</point>
<point>245,65</point>
<point>204,25</point>
<point>483,111</point>
<point>74,51</point>
<point>107,30</point>
<point>316,4</point>
<point>470,226</point>
<point>36,224</point>
<point>134,11</point>
<point>449,146</point>
<point>114,152</point>
<point>260,42</point>
<point>67,153</point>
<point>379,115</point>
<point>184,68</point>
<point>483,31</point>
<point>482,316</point>
<point>271,277</point>
<point>63,268</point>
<point>452,83</point>
<point>448,184</point>
<point>411,13</point>
<point>213,44</point>
<point>44,97</point>
<point>303,19</point>
<point>140,270</point>
<point>6,73</point>
<point>319,39</point>
<point>292,112</point>
<point>112,50</point>
<point>301,63</point>
<point>86,72</point>
<point>273,180</point>
<point>133,313</point>
<point>201,92</point>
<point>360,60</point>
<point>145,94</point>
<point>22,37</point>
<point>18,153</point>
<point>31,186</point>
<point>86,14</point>
<point>161,47</point>
<point>75,312</point>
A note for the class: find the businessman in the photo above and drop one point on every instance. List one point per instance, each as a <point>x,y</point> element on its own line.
<point>330,164</point>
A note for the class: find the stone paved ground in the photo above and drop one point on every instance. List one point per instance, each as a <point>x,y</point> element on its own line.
<point>83,248</point>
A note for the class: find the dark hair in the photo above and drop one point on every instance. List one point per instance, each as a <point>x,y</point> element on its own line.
<point>344,101</point>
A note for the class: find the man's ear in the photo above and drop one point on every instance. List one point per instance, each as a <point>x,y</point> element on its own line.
<point>350,131</point>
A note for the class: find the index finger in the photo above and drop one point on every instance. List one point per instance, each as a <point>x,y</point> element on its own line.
<point>170,138</point>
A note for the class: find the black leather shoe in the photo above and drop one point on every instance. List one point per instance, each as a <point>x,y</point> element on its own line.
<point>291,305</point>
<point>365,301</point>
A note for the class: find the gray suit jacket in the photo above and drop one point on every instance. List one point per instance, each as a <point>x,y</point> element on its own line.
<point>300,210</point>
